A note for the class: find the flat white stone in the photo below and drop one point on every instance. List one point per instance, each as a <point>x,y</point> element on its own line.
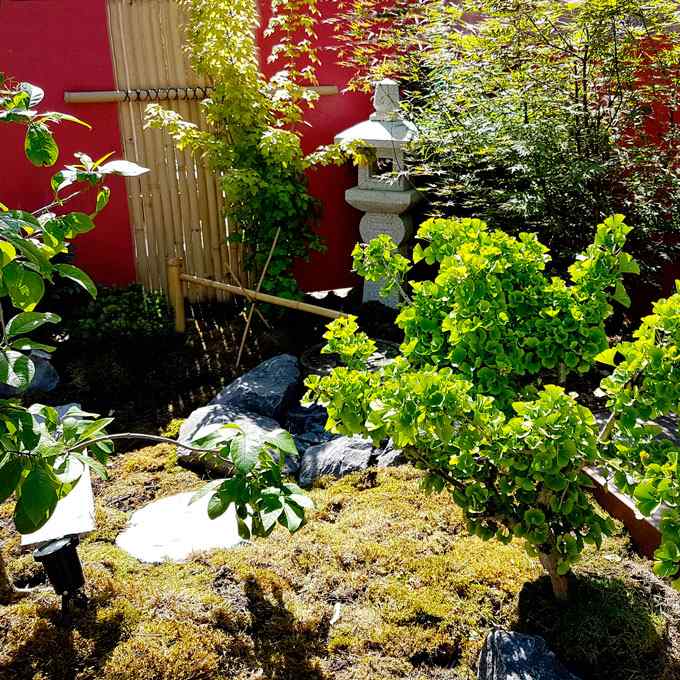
<point>74,513</point>
<point>170,530</point>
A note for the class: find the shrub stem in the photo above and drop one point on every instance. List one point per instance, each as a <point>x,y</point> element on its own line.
<point>559,582</point>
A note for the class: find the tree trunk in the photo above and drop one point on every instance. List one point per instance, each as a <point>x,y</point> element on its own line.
<point>6,587</point>
<point>560,584</point>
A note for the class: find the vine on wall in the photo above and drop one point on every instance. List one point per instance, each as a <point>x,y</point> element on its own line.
<point>253,141</point>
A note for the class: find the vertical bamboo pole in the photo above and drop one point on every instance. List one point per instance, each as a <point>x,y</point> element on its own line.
<point>175,287</point>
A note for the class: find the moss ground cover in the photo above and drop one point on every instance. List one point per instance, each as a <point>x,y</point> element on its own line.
<point>414,592</point>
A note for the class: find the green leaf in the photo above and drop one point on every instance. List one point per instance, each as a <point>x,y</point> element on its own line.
<point>244,453</point>
<point>217,505</point>
<point>534,517</point>
<point>16,370</point>
<point>96,465</point>
<point>35,94</point>
<point>40,147</point>
<point>620,295</point>
<point>272,509</point>
<point>205,490</point>
<point>293,516</point>
<point>28,321</point>
<point>283,441</point>
<point>646,497</point>
<point>76,223</point>
<point>37,501</point>
<point>627,265</point>
<point>10,474</point>
<point>58,116</point>
<point>68,271</point>
<point>103,196</point>
<point>25,287</point>
<point>123,168</point>
<point>26,345</point>
<point>94,428</point>
<point>666,569</point>
<point>301,500</point>
<point>7,253</point>
<point>607,356</point>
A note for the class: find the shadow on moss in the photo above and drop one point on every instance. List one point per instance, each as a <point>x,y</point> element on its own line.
<point>59,649</point>
<point>608,628</point>
<point>285,648</point>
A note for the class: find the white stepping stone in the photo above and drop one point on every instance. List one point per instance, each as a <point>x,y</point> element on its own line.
<point>171,529</point>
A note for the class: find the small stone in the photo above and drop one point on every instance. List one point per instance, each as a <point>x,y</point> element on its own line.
<point>515,656</point>
<point>171,529</point>
<point>268,390</point>
<point>256,427</point>
<point>338,457</point>
<point>390,457</point>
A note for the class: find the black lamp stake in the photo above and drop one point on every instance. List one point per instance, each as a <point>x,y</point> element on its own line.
<point>60,559</point>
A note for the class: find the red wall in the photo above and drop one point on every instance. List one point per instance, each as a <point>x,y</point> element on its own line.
<point>64,45</point>
<point>339,224</point>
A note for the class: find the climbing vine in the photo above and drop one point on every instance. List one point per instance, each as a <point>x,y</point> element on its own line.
<point>253,140</point>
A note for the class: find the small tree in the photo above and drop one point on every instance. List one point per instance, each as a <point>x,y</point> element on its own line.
<point>470,399</point>
<point>38,447</point>
<point>253,141</point>
<point>536,114</point>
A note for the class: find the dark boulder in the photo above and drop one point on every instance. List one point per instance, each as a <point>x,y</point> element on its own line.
<point>256,427</point>
<point>268,390</point>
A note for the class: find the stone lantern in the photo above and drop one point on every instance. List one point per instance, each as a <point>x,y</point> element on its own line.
<point>383,192</point>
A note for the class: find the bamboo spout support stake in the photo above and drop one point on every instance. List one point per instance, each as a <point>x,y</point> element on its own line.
<point>254,303</point>
<point>176,289</point>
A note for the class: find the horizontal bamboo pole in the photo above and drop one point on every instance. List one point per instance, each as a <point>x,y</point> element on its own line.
<point>263,297</point>
<point>158,94</point>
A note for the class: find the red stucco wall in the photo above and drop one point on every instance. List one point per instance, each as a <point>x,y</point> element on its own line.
<point>63,45</point>
<point>339,224</point>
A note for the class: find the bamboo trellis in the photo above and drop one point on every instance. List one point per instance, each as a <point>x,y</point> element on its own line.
<point>176,209</point>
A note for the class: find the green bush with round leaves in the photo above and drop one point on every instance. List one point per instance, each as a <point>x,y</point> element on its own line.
<point>470,398</point>
<point>643,388</point>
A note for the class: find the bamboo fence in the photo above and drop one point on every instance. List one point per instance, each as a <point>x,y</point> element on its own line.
<point>175,210</point>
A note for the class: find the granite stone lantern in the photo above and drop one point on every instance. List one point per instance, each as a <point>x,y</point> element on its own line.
<point>384,193</point>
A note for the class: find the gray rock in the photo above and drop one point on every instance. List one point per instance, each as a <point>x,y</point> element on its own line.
<point>269,389</point>
<point>256,427</point>
<point>338,457</point>
<point>514,656</point>
<point>307,425</point>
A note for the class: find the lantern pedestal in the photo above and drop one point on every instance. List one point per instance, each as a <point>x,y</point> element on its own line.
<point>385,214</point>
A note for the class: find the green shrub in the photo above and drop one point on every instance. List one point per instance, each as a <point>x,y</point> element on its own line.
<point>538,115</point>
<point>130,314</point>
<point>470,400</point>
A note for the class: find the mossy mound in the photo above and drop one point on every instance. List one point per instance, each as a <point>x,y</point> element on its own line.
<point>383,582</point>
